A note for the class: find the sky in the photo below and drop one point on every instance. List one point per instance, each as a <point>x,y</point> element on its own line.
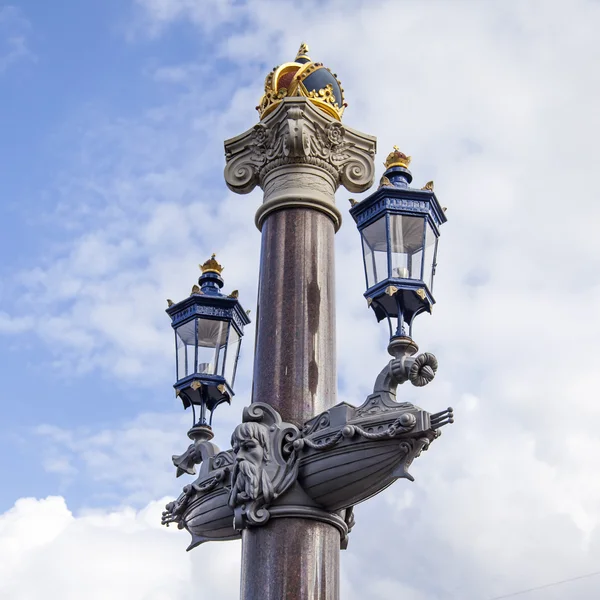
<point>113,115</point>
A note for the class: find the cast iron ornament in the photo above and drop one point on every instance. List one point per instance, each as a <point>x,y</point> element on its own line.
<point>276,470</point>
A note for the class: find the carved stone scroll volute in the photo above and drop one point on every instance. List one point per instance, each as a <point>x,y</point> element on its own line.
<point>299,140</point>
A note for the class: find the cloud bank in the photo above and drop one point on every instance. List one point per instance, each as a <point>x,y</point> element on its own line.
<point>497,104</point>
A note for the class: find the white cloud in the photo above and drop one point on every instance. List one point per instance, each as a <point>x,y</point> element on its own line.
<point>207,15</point>
<point>124,554</point>
<point>130,464</point>
<point>10,324</point>
<point>14,33</point>
<point>496,102</point>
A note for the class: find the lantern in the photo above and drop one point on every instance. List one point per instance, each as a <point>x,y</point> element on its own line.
<point>399,228</point>
<point>208,330</point>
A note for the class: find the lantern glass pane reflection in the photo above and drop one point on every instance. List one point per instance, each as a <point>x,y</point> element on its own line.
<point>201,345</point>
<point>406,246</point>
<point>185,336</point>
<point>430,249</point>
<point>374,239</point>
<point>233,349</point>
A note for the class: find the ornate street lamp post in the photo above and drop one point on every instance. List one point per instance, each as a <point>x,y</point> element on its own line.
<point>300,461</point>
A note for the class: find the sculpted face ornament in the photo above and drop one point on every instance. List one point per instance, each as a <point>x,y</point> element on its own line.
<point>264,464</point>
<point>249,479</point>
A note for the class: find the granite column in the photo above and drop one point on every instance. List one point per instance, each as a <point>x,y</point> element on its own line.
<point>299,156</point>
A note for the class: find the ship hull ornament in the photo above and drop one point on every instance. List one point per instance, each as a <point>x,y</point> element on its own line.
<point>275,469</point>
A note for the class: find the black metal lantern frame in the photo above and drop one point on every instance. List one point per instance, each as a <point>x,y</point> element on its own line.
<point>399,229</point>
<point>208,329</point>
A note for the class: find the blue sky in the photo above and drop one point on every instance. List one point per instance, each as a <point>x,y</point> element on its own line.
<point>78,78</point>
<point>113,116</point>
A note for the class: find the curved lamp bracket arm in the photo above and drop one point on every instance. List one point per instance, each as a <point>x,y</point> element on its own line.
<point>419,370</point>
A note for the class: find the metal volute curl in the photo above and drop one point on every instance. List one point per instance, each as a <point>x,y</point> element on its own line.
<point>423,369</point>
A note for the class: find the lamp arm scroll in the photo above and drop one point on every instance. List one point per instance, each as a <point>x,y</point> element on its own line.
<point>419,370</point>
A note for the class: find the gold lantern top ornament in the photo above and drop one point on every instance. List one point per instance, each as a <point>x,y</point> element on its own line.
<point>303,78</point>
<point>396,158</point>
<point>211,266</point>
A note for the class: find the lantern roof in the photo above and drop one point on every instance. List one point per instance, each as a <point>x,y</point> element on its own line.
<point>394,295</point>
<point>395,195</point>
<point>306,78</point>
<point>207,301</point>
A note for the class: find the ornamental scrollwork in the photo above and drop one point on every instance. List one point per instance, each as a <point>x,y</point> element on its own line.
<point>276,470</point>
<point>297,133</point>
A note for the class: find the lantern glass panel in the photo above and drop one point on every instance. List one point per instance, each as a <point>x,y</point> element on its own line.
<point>186,345</point>
<point>406,246</point>
<point>201,347</point>
<point>430,248</point>
<point>233,349</point>
<point>374,238</point>
<point>212,341</point>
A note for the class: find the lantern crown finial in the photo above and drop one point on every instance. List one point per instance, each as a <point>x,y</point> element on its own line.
<point>396,158</point>
<point>211,266</point>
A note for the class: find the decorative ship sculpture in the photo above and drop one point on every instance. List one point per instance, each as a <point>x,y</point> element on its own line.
<point>346,454</point>
<point>275,469</point>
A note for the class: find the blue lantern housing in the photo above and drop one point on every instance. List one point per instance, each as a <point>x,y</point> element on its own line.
<point>208,330</point>
<point>399,227</point>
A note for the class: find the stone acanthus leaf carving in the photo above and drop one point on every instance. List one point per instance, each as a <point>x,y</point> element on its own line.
<point>328,143</point>
<point>298,133</point>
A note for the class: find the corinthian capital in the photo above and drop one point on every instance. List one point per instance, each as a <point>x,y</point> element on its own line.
<point>298,134</point>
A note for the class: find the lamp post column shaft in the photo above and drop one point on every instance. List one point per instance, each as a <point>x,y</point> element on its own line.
<point>295,372</point>
<point>295,361</point>
<point>299,156</point>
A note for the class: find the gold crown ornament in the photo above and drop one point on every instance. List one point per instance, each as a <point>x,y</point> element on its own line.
<point>303,78</point>
<point>211,266</point>
<point>397,159</point>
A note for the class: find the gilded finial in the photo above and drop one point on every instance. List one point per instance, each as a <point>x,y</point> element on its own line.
<point>234,294</point>
<point>385,182</point>
<point>428,186</point>
<point>303,51</point>
<point>352,201</point>
<point>396,158</point>
<point>170,302</point>
<point>211,266</point>
<point>303,78</point>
